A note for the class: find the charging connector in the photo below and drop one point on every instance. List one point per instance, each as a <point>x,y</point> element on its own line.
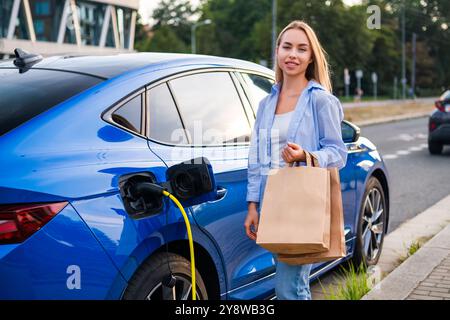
<point>148,188</point>
<point>153,189</point>
<point>191,241</point>
<point>191,181</point>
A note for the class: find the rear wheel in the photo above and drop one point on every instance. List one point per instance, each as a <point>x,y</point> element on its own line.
<point>434,147</point>
<point>371,225</point>
<point>147,282</point>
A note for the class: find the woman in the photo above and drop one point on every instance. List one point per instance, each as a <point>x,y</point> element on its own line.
<point>299,114</point>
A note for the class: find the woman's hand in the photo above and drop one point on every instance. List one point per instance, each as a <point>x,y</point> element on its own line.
<point>251,221</point>
<point>292,153</point>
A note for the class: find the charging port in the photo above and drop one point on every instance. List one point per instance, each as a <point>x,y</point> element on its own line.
<point>192,182</point>
<point>139,203</point>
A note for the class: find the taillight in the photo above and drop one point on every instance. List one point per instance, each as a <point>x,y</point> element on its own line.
<point>18,222</point>
<point>432,126</point>
<point>439,105</point>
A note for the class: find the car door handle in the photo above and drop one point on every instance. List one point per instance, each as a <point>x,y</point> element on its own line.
<point>221,192</point>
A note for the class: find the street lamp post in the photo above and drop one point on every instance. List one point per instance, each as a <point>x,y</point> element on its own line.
<point>193,28</point>
<point>413,68</point>
<point>403,54</point>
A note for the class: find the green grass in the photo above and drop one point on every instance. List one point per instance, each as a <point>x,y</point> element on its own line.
<point>413,248</point>
<point>364,98</point>
<point>367,98</point>
<point>352,285</point>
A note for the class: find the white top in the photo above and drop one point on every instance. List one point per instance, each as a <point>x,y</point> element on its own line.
<point>278,137</point>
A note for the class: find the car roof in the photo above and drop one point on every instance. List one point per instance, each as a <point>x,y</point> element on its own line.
<point>107,67</point>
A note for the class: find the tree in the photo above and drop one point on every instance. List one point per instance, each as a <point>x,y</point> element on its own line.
<point>176,14</point>
<point>143,35</point>
<point>166,40</point>
<point>171,29</point>
<point>428,19</point>
<point>243,29</point>
<point>233,24</point>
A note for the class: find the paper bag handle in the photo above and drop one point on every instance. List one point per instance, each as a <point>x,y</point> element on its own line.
<point>309,161</point>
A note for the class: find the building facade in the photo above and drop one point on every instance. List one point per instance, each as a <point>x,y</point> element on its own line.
<point>51,27</point>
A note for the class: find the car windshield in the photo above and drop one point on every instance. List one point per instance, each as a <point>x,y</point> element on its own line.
<point>28,94</point>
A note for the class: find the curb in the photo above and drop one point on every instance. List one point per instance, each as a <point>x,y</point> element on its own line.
<point>392,119</point>
<point>406,277</point>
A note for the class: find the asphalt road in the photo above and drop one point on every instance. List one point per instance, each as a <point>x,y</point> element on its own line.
<point>417,179</point>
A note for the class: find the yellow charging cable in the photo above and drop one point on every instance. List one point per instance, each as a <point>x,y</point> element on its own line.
<point>191,242</point>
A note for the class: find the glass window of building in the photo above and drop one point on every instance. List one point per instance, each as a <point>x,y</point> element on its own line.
<point>39,29</point>
<point>21,31</point>
<point>127,24</point>
<point>110,42</point>
<point>42,8</point>
<point>121,26</point>
<point>91,17</point>
<point>53,21</point>
<point>124,25</point>
<point>46,18</point>
<point>5,15</point>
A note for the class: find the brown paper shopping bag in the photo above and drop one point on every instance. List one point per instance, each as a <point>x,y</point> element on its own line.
<point>337,238</point>
<point>295,213</point>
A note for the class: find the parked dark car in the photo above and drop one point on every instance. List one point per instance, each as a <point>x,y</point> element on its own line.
<point>439,124</point>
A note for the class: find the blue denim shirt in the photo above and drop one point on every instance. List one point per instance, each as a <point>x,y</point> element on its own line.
<point>315,126</point>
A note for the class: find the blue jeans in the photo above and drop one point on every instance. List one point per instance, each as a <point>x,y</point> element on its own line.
<point>292,281</point>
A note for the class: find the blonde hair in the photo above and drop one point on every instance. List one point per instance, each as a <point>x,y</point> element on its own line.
<point>318,69</point>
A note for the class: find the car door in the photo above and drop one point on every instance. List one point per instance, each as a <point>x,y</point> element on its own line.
<point>127,154</point>
<point>207,118</point>
<point>257,86</point>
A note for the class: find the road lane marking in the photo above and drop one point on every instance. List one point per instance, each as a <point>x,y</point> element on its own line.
<point>409,137</point>
<point>390,156</point>
<point>405,152</point>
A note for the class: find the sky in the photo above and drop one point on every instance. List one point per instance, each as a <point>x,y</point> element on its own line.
<point>147,6</point>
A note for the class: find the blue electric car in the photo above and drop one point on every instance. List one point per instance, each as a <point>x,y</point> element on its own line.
<point>73,128</point>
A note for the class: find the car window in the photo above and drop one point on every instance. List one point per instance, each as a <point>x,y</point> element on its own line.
<point>347,132</point>
<point>28,94</point>
<point>164,121</point>
<point>445,96</point>
<point>237,79</point>
<point>259,87</point>
<point>211,108</point>
<point>129,115</point>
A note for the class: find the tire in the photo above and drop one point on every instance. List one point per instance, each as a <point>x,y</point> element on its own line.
<point>434,147</point>
<point>146,283</point>
<point>371,226</point>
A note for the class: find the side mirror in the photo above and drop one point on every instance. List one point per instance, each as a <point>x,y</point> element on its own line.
<point>350,132</point>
